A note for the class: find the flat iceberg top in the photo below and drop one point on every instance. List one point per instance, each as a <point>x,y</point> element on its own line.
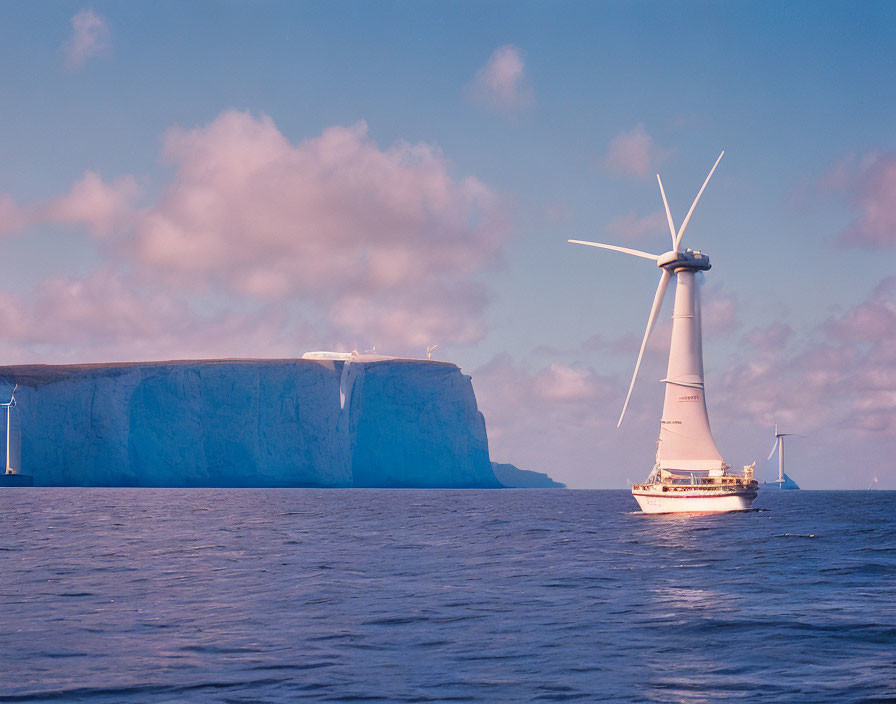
<point>39,374</point>
<point>356,356</point>
<point>329,356</point>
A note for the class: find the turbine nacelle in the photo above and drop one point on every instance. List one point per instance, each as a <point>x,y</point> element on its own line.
<point>689,259</point>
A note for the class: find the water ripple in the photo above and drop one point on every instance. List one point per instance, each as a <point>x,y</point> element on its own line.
<point>151,596</point>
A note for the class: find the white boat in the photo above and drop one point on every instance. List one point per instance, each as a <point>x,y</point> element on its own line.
<point>714,492</point>
<point>690,474</point>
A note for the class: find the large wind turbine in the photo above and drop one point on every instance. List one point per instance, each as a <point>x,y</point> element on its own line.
<point>779,446</point>
<point>685,438</point>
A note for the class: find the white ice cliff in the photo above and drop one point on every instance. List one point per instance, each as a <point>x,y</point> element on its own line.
<point>260,423</point>
<point>414,423</point>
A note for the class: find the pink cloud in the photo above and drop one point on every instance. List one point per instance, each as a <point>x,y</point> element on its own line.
<point>334,208</point>
<point>106,316</point>
<point>523,406</point>
<point>870,321</point>
<point>90,36</point>
<point>385,246</point>
<point>502,84</point>
<point>869,182</point>
<point>561,383</point>
<point>12,217</point>
<point>388,240</point>
<point>104,306</point>
<point>843,377</point>
<point>634,153</point>
<point>630,227</point>
<point>416,319</point>
<point>103,208</point>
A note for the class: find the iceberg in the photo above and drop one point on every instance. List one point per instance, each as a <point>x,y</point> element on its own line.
<point>513,477</point>
<point>251,423</point>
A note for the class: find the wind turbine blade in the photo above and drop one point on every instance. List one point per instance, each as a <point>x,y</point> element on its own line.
<point>624,250</point>
<point>651,321</point>
<point>668,212</point>
<point>694,204</point>
<point>774,447</point>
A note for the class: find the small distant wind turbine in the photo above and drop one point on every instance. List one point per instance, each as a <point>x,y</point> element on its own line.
<point>871,486</point>
<point>429,350</point>
<point>779,446</point>
<point>9,405</point>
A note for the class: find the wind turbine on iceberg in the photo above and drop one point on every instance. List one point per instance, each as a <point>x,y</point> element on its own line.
<point>783,481</point>
<point>11,476</point>
<point>690,474</point>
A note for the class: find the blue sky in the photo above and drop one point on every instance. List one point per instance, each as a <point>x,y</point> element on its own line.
<point>494,131</point>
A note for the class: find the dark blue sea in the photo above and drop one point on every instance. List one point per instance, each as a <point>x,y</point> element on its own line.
<point>147,595</point>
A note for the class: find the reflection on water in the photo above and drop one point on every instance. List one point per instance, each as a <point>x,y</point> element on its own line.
<point>700,601</point>
<point>477,596</point>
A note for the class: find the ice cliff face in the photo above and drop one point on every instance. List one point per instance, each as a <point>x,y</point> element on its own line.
<point>249,423</point>
<point>414,423</point>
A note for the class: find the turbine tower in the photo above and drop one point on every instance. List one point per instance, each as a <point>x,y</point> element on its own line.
<point>779,446</point>
<point>9,406</point>
<point>685,442</point>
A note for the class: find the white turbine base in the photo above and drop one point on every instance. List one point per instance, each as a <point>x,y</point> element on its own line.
<point>655,500</point>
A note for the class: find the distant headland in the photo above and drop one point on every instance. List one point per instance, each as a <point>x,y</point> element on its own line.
<point>513,477</point>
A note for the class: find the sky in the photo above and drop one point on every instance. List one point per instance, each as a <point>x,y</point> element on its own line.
<point>195,180</point>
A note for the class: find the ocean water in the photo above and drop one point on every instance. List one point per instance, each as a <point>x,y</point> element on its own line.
<point>121,595</point>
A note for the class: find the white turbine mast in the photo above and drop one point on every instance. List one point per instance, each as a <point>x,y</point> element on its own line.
<point>779,446</point>
<point>9,405</point>
<point>429,350</point>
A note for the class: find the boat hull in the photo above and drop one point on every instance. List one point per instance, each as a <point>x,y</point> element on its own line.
<point>693,501</point>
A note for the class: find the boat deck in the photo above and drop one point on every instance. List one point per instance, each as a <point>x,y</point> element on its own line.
<point>711,484</point>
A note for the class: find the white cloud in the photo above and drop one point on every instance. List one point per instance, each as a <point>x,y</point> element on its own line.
<point>387,240</point>
<point>379,246</point>
<point>634,153</point>
<point>104,208</point>
<point>502,83</point>
<point>90,36</point>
